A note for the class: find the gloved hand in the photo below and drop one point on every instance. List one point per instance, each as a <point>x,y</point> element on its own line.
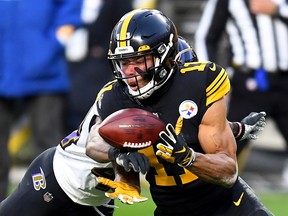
<point>175,149</point>
<point>123,191</point>
<point>130,159</point>
<point>249,126</point>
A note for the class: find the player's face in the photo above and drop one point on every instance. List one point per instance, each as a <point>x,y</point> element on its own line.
<point>134,70</point>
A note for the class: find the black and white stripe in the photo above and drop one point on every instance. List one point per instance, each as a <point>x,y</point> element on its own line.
<point>256,41</point>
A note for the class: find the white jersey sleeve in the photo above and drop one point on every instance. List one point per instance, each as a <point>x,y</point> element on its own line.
<point>72,167</point>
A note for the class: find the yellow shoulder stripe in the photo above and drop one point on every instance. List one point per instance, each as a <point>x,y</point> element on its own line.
<point>218,88</point>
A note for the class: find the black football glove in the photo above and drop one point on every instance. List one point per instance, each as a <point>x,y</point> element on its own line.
<point>129,159</point>
<point>175,149</point>
<point>250,126</point>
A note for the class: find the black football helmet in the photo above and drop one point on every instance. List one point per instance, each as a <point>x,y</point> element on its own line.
<point>139,33</point>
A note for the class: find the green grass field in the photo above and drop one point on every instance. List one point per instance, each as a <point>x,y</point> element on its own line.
<point>276,202</point>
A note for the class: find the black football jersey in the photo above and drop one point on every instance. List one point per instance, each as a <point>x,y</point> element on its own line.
<point>182,101</point>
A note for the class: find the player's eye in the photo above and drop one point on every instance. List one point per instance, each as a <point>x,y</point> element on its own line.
<point>132,61</point>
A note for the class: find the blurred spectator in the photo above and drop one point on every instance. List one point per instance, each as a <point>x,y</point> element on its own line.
<point>87,55</point>
<point>33,73</point>
<point>258,57</point>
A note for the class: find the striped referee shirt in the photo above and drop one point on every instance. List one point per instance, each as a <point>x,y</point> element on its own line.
<point>257,41</point>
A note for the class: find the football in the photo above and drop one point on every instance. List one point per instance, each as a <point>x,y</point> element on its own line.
<point>131,128</point>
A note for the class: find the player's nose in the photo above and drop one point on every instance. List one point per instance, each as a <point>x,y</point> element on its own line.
<point>130,69</point>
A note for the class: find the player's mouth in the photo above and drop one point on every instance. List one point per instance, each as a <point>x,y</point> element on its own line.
<point>133,86</point>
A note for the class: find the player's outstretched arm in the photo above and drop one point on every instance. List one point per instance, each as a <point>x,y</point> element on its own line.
<point>102,152</point>
<point>249,127</point>
<point>126,185</point>
<point>96,147</point>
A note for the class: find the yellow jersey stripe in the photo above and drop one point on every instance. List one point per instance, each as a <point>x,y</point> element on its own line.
<point>216,80</point>
<point>216,83</point>
<point>218,88</point>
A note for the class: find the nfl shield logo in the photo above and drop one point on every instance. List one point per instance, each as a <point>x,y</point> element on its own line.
<point>47,197</point>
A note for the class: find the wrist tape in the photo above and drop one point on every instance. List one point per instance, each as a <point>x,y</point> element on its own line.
<point>238,130</point>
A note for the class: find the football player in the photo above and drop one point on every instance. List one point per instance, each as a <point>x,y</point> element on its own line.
<point>62,180</point>
<point>193,170</point>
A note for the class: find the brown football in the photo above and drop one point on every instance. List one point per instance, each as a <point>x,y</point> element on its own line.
<point>131,128</point>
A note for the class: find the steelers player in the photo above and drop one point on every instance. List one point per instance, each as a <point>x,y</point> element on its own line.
<point>193,170</point>
<point>60,179</point>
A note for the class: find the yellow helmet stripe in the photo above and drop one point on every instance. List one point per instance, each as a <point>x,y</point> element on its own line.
<point>123,32</point>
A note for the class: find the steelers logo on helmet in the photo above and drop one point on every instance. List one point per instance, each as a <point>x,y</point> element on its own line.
<point>188,109</point>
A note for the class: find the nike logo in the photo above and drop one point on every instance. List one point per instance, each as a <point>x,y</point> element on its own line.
<point>181,151</point>
<point>237,203</point>
<point>213,68</point>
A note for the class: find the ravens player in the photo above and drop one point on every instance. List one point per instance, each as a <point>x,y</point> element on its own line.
<point>193,170</point>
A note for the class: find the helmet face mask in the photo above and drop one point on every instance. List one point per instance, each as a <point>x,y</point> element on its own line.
<point>141,33</point>
<point>152,75</point>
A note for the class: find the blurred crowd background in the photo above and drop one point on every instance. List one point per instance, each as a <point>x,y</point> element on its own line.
<point>265,164</point>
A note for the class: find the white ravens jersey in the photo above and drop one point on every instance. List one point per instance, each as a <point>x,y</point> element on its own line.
<point>72,167</point>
